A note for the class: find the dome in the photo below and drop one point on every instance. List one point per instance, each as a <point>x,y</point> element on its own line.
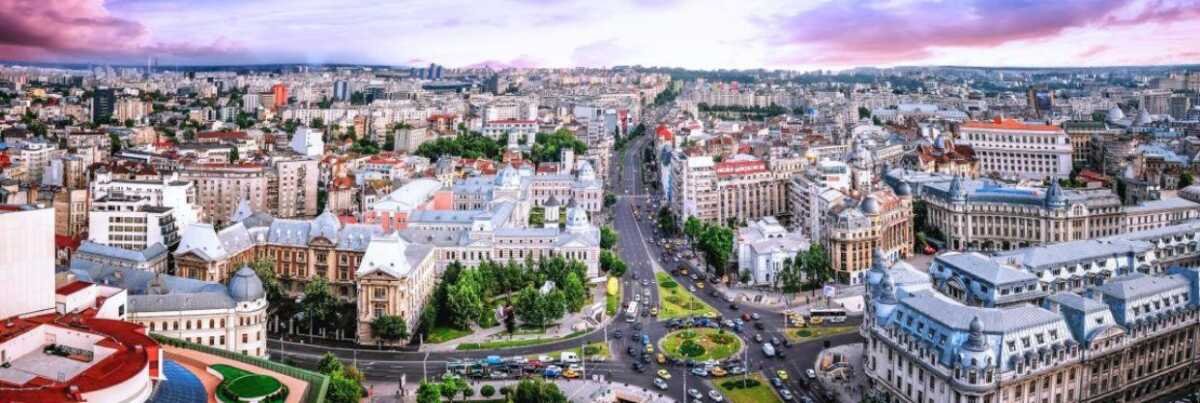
<point>957,193</point>
<point>870,205</point>
<point>245,285</point>
<point>577,219</point>
<point>586,173</point>
<point>325,225</point>
<point>1054,195</point>
<point>903,189</point>
<point>1115,114</point>
<point>876,274</point>
<point>508,177</point>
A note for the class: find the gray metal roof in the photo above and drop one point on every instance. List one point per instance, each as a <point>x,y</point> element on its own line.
<point>1038,258</point>
<point>150,294</point>
<point>1077,302</point>
<point>152,252</point>
<point>1137,286</point>
<point>995,320</point>
<point>984,269</point>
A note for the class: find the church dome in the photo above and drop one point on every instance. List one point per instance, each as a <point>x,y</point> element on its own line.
<point>1115,114</point>
<point>245,285</point>
<point>870,205</point>
<point>325,225</point>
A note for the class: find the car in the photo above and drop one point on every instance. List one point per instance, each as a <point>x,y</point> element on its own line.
<point>639,367</point>
<point>759,326</point>
<point>661,384</point>
<point>739,322</point>
<point>631,350</point>
<point>737,370</point>
<point>754,316</point>
<point>733,307</point>
<point>787,343</point>
<point>715,396</point>
<point>645,283</point>
<point>645,358</point>
<point>714,293</point>
<point>775,341</point>
<point>727,323</point>
<point>785,394</point>
<point>782,374</point>
<point>654,311</point>
<point>758,338</point>
<point>660,358</point>
<point>637,326</point>
<point>498,375</point>
<point>650,348</point>
<point>695,277</point>
<point>699,371</point>
<point>570,374</point>
<point>746,317</point>
<point>777,383</point>
<point>645,313</point>
<point>618,334</point>
<point>810,373</point>
<point>695,394</point>
<point>692,288</point>
<point>700,285</point>
<point>717,372</point>
<point>662,373</point>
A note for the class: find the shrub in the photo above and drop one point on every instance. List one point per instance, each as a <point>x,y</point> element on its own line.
<point>469,346</point>
<point>739,384</point>
<point>690,348</point>
<point>668,284</point>
<point>487,390</point>
<point>591,350</point>
<point>504,390</point>
<point>721,338</point>
<point>803,333</point>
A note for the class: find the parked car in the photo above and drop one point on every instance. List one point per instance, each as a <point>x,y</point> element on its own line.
<point>786,395</point>
<point>782,374</point>
<point>737,370</point>
<point>618,334</point>
<point>717,372</point>
<point>639,367</point>
<point>661,384</point>
<point>695,394</point>
<point>758,338</point>
<point>715,396</point>
<point>733,307</point>
<point>699,371</point>
<point>776,382</point>
<point>810,373</point>
<point>754,316</point>
<point>759,326</point>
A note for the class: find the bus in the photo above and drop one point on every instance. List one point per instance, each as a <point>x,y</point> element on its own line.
<point>828,315</point>
<point>631,313</point>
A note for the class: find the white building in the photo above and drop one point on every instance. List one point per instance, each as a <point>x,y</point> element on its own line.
<point>170,192</point>
<point>308,142</point>
<point>764,246</point>
<point>131,222</point>
<point>1015,149</point>
<point>26,260</point>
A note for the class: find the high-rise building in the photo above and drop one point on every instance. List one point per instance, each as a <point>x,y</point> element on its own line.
<point>1015,149</point>
<point>26,260</point>
<point>281,95</point>
<point>341,90</point>
<point>104,102</point>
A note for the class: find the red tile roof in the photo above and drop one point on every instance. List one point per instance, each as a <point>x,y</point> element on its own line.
<point>1009,124</point>
<point>72,287</point>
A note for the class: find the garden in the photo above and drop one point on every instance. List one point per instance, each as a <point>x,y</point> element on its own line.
<point>239,385</point>
<point>676,302</point>
<point>701,344</point>
<point>811,333</point>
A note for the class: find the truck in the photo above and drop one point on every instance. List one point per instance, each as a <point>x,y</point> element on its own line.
<point>768,350</point>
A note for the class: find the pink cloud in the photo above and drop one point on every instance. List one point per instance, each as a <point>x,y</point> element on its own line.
<point>37,30</point>
<point>876,31</point>
<point>1093,51</point>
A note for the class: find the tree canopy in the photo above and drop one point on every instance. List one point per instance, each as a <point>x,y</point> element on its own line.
<point>547,146</point>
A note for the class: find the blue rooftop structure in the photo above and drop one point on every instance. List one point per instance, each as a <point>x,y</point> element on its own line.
<point>180,386</point>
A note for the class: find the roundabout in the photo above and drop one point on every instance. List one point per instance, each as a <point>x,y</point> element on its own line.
<point>700,344</point>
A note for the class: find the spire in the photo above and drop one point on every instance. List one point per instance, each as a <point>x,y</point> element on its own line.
<point>975,339</point>
<point>1054,195</point>
<point>956,190</point>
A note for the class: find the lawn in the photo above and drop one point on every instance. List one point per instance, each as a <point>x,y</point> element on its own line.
<point>760,393</point>
<point>612,296</point>
<point>811,333</point>
<point>701,344</point>
<point>441,334</point>
<point>676,302</point>
<point>512,343</point>
<point>237,384</point>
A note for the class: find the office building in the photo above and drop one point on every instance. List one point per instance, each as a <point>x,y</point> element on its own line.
<point>1014,149</point>
<point>104,103</point>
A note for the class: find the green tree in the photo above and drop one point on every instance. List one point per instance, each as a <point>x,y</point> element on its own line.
<point>343,389</point>
<point>318,302</point>
<point>389,327</point>
<point>791,278</point>
<point>487,390</point>
<point>1186,179</point>
<point>608,237</point>
<point>529,309</point>
<point>114,143</point>
<point>464,304</point>
<point>452,386</point>
<point>692,228</point>
<point>233,155</point>
<point>329,364</point>
<point>574,292</point>
<point>429,392</point>
<point>547,146</point>
<point>816,265</point>
<point>863,112</point>
<point>666,221</point>
<point>717,244</point>
<point>612,264</point>
<point>536,390</point>
<point>265,270</point>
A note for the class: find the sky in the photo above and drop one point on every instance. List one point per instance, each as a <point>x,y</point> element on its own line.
<point>703,34</point>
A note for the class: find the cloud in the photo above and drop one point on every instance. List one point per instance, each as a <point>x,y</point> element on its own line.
<point>38,30</point>
<point>599,54</point>
<point>1093,51</point>
<point>521,62</point>
<point>879,31</point>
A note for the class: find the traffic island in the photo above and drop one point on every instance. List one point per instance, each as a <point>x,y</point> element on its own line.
<point>676,302</point>
<point>812,333</point>
<point>751,388</point>
<point>238,385</point>
<point>700,344</point>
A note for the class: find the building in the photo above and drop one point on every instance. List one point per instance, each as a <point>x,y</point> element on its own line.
<point>104,102</point>
<point>395,278</point>
<point>308,142</point>
<point>693,187</point>
<point>583,186</point>
<point>945,157</point>
<point>292,187</point>
<point>1127,341</point>
<point>858,227</point>
<point>1081,133</point>
<point>103,358</point>
<point>230,317</point>
<point>220,187</point>
<point>341,90</point>
<point>279,93</point>
<point>169,192</point>
<point>152,259</point>
<point>764,248</point>
<point>132,223</point>
<point>1014,149</point>
<point>747,190</point>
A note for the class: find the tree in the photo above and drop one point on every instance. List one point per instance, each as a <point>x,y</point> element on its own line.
<point>608,237</point>
<point>318,302</point>
<point>666,221</point>
<point>464,303</point>
<point>114,143</point>
<point>547,146</point>
<point>791,278</point>
<point>1186,179</point>
<point>863,112</point>
<point>529,308</point>
<point>816,265</point>
<point>717,244</point>
<point>487,390</point>
<point>329,364</point>
<point>609,199</point>
<point>536,390</point>
<point>389,327</point>
<point>343,389</point>
<point>574,292</point>
<point>233,155</point>
<point>692,228</point>
<point>429,392</point>
<point>265,269</point>
<point>612,264</point>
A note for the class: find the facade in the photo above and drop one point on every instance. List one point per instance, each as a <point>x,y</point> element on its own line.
<point>945,157</point>
<point>26,260</point>
<point>764,247</point>
<point>220,187</point>
<point>880,220</point>
<point>132,223</point>
<point>1014,149</point>
<point>170,192</point>
<point>1131,340</point>
<point>693,187</point>
<point>292,187</point>
<point>395,278</point>
<point>230,317</point>
<point>583,186</point>
<point>747,190</point>
<point>308,142</point>
<point>1081,132</point>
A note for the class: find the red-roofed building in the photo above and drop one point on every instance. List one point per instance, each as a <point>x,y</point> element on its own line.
<point>1014,149</point>
<point>221,136</point>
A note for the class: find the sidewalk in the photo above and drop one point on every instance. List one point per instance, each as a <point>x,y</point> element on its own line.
<point>801,301</point>
<point>576,391</point>
<point>574,322</point>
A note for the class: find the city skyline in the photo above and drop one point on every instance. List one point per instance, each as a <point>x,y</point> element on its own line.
<point>551,33</point>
